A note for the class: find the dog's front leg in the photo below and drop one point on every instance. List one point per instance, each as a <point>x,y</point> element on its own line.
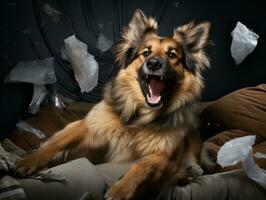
<point>72,134</point>
<point>145,174</point>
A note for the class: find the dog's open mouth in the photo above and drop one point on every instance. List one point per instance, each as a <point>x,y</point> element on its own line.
<point>153,88</point>
<point>156,87</point>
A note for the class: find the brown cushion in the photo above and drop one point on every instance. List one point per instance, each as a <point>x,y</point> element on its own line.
<point>237,114</point>
<point>49,120</point>
<point>214,144</point>
<point>243,109</point>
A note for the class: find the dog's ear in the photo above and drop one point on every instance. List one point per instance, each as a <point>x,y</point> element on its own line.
<point>133,35</point>
<point>194,38</point>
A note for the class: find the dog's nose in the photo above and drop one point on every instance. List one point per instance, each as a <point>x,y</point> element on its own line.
<point>154,64</point>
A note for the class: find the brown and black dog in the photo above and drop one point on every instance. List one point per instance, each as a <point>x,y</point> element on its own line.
<point>147,113</point>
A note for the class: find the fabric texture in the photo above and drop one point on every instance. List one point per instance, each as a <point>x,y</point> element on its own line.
<point>81,180</point>
<point>10,188</point>
<point>9,153</point>
<point>60,182</point>
<point>215,142</point>
<point>234,185</point>
<point>237,114</point>
<point>243,109</point>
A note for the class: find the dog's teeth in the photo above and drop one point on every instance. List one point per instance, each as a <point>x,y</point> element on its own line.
<point>150,90</point>
<point>161,78</point>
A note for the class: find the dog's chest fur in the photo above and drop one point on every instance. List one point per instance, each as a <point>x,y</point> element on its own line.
<point>125,143</point>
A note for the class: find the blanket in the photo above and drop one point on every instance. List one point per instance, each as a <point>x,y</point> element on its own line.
<point>10,188</point>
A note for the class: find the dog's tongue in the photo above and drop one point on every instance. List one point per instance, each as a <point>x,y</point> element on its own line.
<point>156,88</point>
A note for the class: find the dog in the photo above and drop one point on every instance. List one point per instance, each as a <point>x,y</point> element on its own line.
<point>147,114</point>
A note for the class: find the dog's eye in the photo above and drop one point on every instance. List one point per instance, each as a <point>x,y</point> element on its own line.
<point>171,55</point>
<point>146,53</point>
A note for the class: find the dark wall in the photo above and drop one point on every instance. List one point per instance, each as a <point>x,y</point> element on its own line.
<point>21,38</point>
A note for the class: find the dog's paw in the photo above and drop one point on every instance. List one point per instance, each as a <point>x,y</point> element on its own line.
<point>120,191</point>
<point>195,170</point>
<point>28,166</point>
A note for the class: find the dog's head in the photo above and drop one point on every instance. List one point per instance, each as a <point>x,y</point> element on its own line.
<point>161,72</point>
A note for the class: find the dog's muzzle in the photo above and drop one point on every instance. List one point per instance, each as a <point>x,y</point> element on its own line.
<point>154,66</point>
<point>152,82</point>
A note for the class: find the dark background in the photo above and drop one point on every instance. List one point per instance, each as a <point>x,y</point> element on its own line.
<point>27,33</point>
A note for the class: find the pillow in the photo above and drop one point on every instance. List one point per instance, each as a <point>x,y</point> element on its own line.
<point>238,114</point>
<point>214,143</point>
<point>243,109</point>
